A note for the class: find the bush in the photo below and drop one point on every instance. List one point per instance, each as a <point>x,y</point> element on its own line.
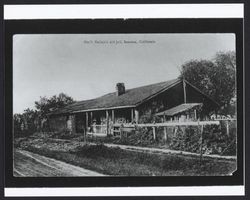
<point>141,137</point>
<point>215,140</point>
<point>65,134</point>
<point>186,139</point>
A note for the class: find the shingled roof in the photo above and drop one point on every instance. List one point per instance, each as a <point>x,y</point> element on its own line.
<point>131,98</point>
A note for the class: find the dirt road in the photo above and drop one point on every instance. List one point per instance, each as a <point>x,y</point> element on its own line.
<point>34,165</point>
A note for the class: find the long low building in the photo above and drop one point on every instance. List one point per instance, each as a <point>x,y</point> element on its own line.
<point>175,99</point>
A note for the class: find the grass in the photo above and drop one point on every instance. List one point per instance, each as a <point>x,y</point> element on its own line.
<point>115,161</point>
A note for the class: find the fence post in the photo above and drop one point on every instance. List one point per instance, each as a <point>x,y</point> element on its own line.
<point>154,136</point>
<point>201,138</point>
<point>107,122</point>
<point>165,134</point>
<point>227,125</point>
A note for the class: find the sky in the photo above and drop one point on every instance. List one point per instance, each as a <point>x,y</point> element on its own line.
<point>86,66</point>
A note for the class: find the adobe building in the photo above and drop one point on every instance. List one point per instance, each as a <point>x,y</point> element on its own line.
<point>173,100</point>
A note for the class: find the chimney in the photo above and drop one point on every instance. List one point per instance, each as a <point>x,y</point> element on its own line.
<point>120,89</point>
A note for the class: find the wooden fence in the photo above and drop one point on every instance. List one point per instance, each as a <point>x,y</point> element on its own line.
<point>120,129</point>
<point>200,124</point>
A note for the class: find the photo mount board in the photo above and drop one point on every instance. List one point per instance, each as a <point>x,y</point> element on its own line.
<point>79,26</point>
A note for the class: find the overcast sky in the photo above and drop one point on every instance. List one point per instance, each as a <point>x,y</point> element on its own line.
<point>86,66</point>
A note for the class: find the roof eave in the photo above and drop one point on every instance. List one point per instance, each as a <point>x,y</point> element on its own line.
<point>109,108</point>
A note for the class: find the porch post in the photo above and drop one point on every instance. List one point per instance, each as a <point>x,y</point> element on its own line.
<point>136,116</point>
<point>107,121</point>
<point>91,117</point>
<point>113,116</point>
<point>86,122</point>
<point>132,115</point>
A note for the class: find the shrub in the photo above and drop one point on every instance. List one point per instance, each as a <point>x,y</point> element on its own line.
<point>186,139</point>
<point>141,136</point>
<point>215,140</point>
<point>65,134</point>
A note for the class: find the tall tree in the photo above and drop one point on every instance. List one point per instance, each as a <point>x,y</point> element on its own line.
<point>46,105</point>
<point>214,77</point>
<point>18,123</point>
<point>27,122</point>
<point>198,72</point>
<point>31,121</point>
<point>226,59</point>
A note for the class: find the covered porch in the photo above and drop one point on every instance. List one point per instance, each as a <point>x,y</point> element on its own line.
<point>103,121</point>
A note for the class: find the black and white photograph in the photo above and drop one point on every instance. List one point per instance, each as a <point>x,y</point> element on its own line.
<point>144,104</point>
<point>126,100</point>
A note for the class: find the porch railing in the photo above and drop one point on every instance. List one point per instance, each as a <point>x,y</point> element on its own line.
<point>99,130</point>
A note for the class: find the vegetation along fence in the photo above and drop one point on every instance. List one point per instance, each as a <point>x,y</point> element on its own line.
<point>203,137</point>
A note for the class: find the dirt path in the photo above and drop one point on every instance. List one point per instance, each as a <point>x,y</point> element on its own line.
<point>34,165</point>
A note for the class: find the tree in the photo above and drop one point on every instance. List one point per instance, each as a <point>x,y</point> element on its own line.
<point>31,121</point>
<point>198,73</point>
<point>226,77</point>
<point>26,123</point>
<point>30,118</point>
<point>46,105</point>
<point>17,121</point>
<point>226,59</point>
<point>215,77</point>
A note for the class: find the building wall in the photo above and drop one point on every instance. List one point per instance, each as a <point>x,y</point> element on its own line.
<point>168,99</point>
<point>71,123</point>
<point>174,97</point>
<point>80,122</point>
<point>58,123</point>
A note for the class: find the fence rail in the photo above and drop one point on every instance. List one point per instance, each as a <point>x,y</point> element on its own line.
<point>169,124</point>
<point>101,129</point>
